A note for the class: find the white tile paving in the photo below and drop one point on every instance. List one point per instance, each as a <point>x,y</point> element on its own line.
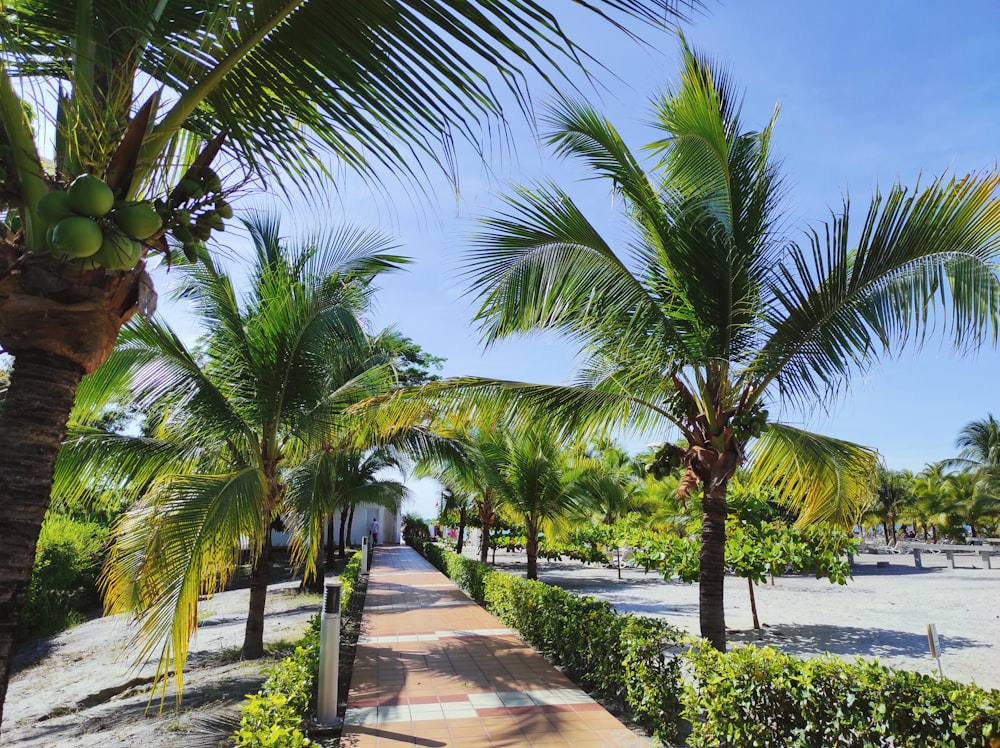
<point>464,709</point>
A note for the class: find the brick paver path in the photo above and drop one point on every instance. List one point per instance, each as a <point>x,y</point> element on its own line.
<point>434,669</point>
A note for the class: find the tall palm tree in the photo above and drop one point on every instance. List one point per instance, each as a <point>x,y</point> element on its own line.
<point>150,87</point>
<point>707,316</point>
<point>267,388</point>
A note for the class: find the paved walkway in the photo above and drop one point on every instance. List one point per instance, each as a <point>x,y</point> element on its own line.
<point>434,669</point>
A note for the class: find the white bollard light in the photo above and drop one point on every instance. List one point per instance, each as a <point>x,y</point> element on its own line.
<point>329,657</point>
<point>364,554</point>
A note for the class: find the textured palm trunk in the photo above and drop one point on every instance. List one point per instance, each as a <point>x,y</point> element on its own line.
<point>484,543</point>
<point>343,533</point>
<point>350,524</point>
<point>331,529</point>
<point>32,426</point>
<point>317,581</point>
<point>253,637</point>
<point>711,587</point>
<point>463,518</point>
<point>531,547</point>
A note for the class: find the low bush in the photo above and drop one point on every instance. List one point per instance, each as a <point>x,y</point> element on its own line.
<point>762,697</point>
<point>64,576</point>
<point>617,656</point>
<point>273,717</point>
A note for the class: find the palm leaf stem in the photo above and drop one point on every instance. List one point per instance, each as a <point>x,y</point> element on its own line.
<point>25,158</point>
<point>193,97</point>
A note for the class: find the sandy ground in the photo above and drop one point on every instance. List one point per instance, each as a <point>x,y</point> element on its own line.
<point>81,688</point>
<point>882,612</point>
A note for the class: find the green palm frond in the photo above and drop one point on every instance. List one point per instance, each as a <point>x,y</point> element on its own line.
<point>92,460</point>
<point>182,540</point>
<point>925,261</point>
<point>824,479</point>
<point>485,403</point>
<point>291,81</point>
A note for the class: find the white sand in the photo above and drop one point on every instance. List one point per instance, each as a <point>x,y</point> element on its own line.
<point>882,612</point>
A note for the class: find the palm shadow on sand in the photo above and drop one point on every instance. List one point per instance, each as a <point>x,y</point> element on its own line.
<point>847,641</point>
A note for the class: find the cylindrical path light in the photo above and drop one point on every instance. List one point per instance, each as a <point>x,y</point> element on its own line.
<point>329,657</point>
<point>365,553</point>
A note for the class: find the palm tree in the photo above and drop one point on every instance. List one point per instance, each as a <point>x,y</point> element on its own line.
<point>539,485</point>
<point>455,500</point>
<point>465,461</point>
<point>267,387</point>
<point>892,491</point>
<point>148,88</point>
<point>331,479</point>
<point>707,316</point>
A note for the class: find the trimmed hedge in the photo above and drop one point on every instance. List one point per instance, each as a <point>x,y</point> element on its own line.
<point>749,696</point>
<point>762,697</point>
<point>273,717</point>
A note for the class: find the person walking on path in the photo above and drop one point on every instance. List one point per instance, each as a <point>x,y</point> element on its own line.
<point>375,529</point>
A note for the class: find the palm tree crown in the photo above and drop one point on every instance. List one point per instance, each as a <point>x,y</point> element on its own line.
<point>266,389</point>
<point>707,316</point>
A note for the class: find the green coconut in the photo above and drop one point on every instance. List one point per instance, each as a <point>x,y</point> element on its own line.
<point>118,251</point>
<point>54,206</point>
<point>138,220</point>
<point>90,196</point>
<point>77,236</point>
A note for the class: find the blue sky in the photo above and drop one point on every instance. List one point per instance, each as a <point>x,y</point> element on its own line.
<point>870,93</point>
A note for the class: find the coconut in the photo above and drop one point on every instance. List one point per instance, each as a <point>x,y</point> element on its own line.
<point>138,220</point>
<point>90,196</point>
<point>54,206</point>
<point>76,236</point>
<point>118,251</point>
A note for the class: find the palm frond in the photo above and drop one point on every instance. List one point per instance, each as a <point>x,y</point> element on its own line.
<point>925,261</point>
<point>823,478</point>
<point>182,540</point>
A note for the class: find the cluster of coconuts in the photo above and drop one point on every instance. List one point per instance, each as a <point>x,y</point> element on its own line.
<point>195,209</point>
<point>86,223</point>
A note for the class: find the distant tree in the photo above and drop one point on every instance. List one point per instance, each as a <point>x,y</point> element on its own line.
<point>413,364</point>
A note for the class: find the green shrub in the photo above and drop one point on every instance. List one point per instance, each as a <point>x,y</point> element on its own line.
<point>273,717</point>
<point>762,697</point>
<point>617,656</point>
<point>64,576</point>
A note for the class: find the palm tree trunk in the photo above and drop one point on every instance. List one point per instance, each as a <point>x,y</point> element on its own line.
<point>343,531</point>
<point>331,529</point>
<point>484,543</point>
<point>32,426</point>
<point>711,588</point>
<point>253,638</point>
<point>317,582</point>
<point>463,516</point>
<point>350,523</point>
<point>531,547</point>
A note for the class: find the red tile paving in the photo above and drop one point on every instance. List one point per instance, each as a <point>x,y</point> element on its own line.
<point>433,669</point>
